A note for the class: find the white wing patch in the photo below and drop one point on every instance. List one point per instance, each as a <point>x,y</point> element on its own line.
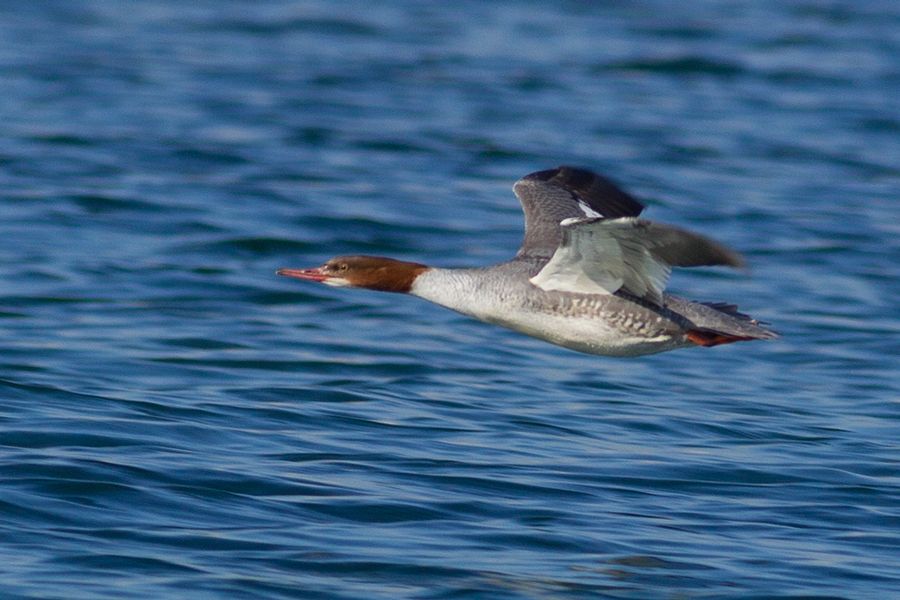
<point>602,256</point>
<point>588,211</point>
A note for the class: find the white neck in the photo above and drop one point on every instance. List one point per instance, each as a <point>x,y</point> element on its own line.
<point>462,290</point>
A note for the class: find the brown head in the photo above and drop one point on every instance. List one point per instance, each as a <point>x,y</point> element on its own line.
<point>370,272</point>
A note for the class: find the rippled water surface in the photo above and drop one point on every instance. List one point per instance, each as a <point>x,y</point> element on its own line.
<point>175,421</point>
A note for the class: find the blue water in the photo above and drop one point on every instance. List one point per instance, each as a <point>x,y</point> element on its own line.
<point>177,422</point>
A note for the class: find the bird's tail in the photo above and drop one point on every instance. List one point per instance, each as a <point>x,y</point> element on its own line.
<point>707,339</point>
<point>717,323</point>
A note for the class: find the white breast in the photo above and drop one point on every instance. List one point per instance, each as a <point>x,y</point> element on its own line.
<point>487,297</point>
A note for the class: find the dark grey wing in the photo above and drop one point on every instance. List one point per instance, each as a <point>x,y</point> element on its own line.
<point>548,197</point>
<point>680,248</point>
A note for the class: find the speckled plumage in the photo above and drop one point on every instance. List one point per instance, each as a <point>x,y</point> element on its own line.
<point>612,325</point>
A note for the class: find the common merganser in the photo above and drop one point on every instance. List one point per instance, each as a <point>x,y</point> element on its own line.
<point>589,276</point>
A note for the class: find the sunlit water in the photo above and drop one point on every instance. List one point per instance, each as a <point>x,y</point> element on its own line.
<point>175,421</point>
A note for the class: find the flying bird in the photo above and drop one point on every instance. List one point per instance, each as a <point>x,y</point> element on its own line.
<point>590,275</point>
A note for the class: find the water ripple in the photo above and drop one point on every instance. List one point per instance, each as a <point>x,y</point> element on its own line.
<point>177,421</point>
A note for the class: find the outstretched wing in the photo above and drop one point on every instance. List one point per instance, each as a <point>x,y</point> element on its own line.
<point>548,197</point>
<point>602,256</point>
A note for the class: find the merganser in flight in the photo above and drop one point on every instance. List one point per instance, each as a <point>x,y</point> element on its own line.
<point>589,276</point>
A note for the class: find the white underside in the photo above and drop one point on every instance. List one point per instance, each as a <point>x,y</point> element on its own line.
<point>589,334</point>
